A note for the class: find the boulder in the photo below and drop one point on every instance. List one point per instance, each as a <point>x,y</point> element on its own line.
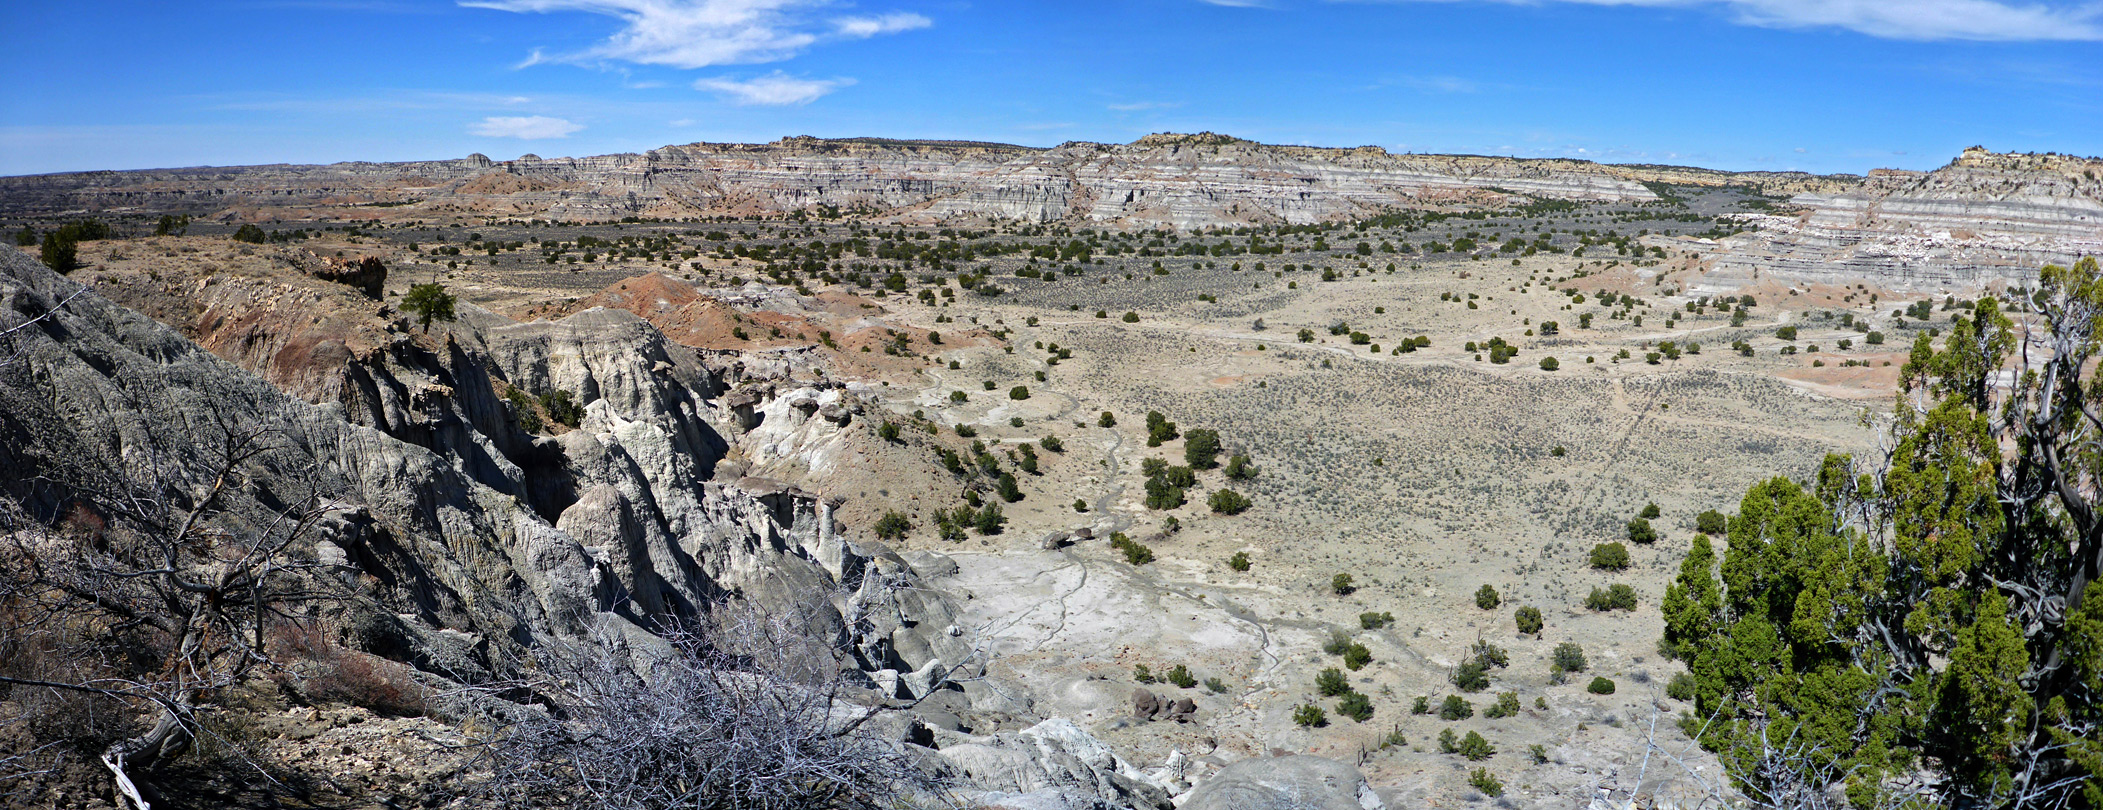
<point>1145,705</point>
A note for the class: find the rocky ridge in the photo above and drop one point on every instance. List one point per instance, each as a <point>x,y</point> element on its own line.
<point>1182,181</point>
<point>1986,218</point>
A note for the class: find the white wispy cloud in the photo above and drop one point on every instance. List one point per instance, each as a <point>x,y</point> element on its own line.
<point>1920,20</point>
<point>866,27</point>
<point>528,127</point>
<point>1929,19</point>
<point>704,33</point>
<point>774,89</point>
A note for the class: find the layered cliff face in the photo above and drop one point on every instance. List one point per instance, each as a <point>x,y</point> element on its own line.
<point>1984,219</point>
<point>1183,181</point>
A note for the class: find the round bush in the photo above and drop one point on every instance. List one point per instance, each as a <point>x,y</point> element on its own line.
<point>1529,620</point>
<point>1600,686</point>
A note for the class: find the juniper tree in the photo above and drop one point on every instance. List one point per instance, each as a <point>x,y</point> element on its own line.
<point>1933,616</point>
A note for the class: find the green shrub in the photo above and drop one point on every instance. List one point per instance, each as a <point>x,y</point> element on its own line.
<point>1355,706</point>
<point>1681,687</point>
<point>1341,584</point>
<point>1487,782</point>
<point>990,520</point>
<point>1142,674</point>
<point>429,302</point>
<point>1331,682</point>
<point>888,432</point>
<point>1529,620</point>
<point>892,525</point>
<point>59,252</point>
<point>1375,621</point>
<point>1107,419</point>
<point>1422,705</point>
<point>1131,317</point>
<point>1310,715</point>
<point>1600,686</point>
<point>1568,657</point>
<point>1640,532</point>
<point>1613,597</point>
<point>1201,448</point>
<point>1357,656</point>
<point>1159,429</point>
<point>522,407</point>
<point>1486,598</point>
<point>1471,676</point>
<point>1475,748</point>
<point>1135,552</point>
<point>1650,511</point>
<point>1180,676</point>
<point>1239,562</point>
<point>1217,686</point>
<point>1610,556</point>
<point>1449,741</point>
<point>1711,523</point>
<point>1456,707</point>
<point>1538,753</point>
<point>1228,502</point>
<point>1160,494</point>
<point>1019,392</point>
<point>1507,706</point>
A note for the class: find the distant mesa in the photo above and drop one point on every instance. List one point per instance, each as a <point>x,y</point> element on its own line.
<point>1985,214</point>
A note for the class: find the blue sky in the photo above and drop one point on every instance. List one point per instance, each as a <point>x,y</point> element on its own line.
<point>1819,85</point>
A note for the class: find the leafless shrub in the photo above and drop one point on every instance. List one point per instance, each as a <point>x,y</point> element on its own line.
<point>1788,773</point>
<point>747,714</point>
<point>148,595</point>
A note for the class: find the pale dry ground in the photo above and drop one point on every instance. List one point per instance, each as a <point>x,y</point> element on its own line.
<point>1424,476</point>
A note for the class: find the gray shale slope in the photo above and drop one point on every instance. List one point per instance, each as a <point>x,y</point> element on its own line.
<point>466,542</point>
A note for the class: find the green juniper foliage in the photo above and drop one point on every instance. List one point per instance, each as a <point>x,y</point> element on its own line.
<point>1939,618</point>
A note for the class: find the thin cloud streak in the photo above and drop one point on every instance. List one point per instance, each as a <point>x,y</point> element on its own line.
<point>529,127</point>
<point>1915,20</point>
<point>776,89</point>
<point>692,34</point>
